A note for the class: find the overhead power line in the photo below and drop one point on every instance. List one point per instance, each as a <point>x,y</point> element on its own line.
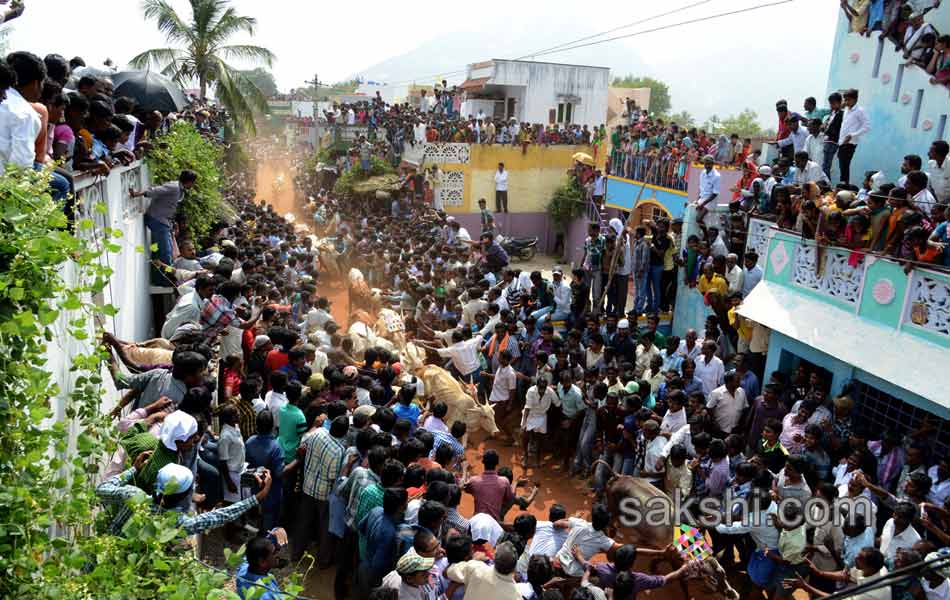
<point>553,48</point>
<point>670,26</point>
<point>628,25</point>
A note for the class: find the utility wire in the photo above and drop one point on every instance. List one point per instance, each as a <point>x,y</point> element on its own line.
<point>558,49</point>
<point>670,26</point>
<point>597,35</point>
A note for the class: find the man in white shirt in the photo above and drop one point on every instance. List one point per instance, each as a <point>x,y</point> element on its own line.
<point>807,171</point>
<point>501,189</point>
<point>727,403</point>
<point>562,295</point>
<point>464,355</point>
<point>549,535</point>
<point>189,306</point>
<point>796,134</point>
<point>709,367</point>
<point>898,532</point>
<point>854,124</point>
<point>938,170</point>
<point>20,124</point>
<point>916,186</point>
<point>586,539</point>
<point>733,273</point>
<point>317,317</point>
<point>709,183</point>
<point>815,142</point>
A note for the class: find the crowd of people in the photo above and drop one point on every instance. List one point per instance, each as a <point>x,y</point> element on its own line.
<point>344,452</point>
<point>903,218</point>
<point>256,407</point>
<point>903,22</point>
<point>437,118</point>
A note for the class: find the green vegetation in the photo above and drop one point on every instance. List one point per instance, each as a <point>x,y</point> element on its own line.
<point>660,101</point>
<point>566,204</point>
<point>184,148</point>
<point>346,181</point>
<point>199,50</point>
<point>745,124</point>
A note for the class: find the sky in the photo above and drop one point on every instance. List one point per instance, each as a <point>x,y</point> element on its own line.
<point>713,66</point>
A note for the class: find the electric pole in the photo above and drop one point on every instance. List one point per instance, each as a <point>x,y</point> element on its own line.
<point>316,86</point>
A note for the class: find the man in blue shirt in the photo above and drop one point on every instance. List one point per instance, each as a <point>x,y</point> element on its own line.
<point>253,576</point>
<point>379,528</point>
<point>404,407</point>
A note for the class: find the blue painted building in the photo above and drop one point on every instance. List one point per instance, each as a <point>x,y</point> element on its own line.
<point>907,112</point>
<point>875,330</point>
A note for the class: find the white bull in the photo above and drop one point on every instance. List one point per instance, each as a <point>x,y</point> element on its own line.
<point>461,401</point>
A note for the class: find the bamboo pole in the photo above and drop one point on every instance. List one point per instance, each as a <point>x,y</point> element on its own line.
<point>613,260</point>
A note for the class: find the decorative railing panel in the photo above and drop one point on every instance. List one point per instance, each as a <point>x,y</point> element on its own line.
<point>758,239</point>
<point>835,277</point>
<point>928,305</point>
<point>447,153</point>
<point>452,190</point>
<point>132,208</point>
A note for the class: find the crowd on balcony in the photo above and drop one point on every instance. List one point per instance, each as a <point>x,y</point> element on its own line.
<point>658,152</point>
<point>905,218</point>
<point>904,22</point>
<point>437,118</point>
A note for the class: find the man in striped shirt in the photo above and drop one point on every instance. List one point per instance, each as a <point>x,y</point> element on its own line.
<point>322,466</point>
<point>454,440</point>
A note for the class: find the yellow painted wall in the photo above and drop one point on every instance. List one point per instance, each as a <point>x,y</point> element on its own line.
<point>532,176</point>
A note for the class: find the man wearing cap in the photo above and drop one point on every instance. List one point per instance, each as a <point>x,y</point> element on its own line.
<point>411,577</point>
<point>173,486</point>
<point>709,183</point>
<point>781,109</point>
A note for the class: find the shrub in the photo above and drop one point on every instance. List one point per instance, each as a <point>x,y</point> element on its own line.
<point>344,184</point>
<point>566,204</point>
<point>184,148</point>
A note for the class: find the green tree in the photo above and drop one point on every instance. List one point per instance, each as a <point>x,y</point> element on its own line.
<point>200,48</point>
<point>682,118</point>
<point>744,124</point>
<point>263,80</point>
<point>184,148</point>
<point>659,92</point>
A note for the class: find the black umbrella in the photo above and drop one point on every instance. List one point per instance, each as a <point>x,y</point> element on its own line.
<point>150,90</point>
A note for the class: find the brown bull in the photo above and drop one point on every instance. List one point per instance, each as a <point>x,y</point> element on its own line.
<point>644,494</point>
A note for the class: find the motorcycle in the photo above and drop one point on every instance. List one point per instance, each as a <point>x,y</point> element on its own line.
<point>521,248</point>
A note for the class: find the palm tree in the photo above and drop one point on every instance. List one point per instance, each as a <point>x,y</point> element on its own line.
<point>201,51</point>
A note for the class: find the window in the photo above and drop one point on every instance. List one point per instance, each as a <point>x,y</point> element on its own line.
<point>882,412</point>
<point>565,112</point>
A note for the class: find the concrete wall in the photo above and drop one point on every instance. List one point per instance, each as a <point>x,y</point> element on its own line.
<point>545,82</point>
<point>468,173</point>
<point>893,94</point>
<point>128,287</point>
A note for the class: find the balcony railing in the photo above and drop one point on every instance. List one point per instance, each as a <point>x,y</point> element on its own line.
<point>668,172</point>
<point>869,285</point>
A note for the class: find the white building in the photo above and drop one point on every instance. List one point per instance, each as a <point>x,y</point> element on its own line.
<point>537,92</point>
